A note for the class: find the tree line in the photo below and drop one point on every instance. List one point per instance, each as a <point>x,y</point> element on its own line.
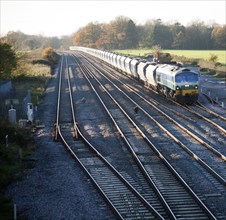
<point>123,33</point>
<point>20,41</point>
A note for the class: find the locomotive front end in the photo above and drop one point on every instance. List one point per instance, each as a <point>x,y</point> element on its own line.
<point>187,87</point>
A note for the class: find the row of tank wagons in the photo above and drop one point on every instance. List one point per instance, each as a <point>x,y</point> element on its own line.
<point>176,82</point>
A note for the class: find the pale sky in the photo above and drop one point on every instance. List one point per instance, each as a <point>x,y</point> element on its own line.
<point>58,18</point>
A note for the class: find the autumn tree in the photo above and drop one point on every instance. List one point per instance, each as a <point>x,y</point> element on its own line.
<point>88,35</point>
<point>122,32</point>
<point>219,37</point>
<point>49,54</point>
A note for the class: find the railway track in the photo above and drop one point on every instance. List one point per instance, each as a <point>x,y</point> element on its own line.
<point>129,137</point>
<point>187,114</point>
<point>121,196</point>
<point>175,156</point>
<point>217,170</point>
<point>146,183</point>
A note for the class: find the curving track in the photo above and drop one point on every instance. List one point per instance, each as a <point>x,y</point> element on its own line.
<point>183,136</point>
<point>212,169</point>
<point>142,165</point>
<point>124,200</point>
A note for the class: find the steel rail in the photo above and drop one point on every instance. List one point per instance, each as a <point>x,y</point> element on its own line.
<point>69,148</point>
<point>130,187</point>
<point>188,109</point>
<point>199,105</point>
<point>223,157</point>
<point>58,100</point>
<point>162,157</point>
<point>200,116</point>
<point>219,154</point>
<point>133,153</point>
<point>208,120</point>
<point>211,100</point>
<point>213,172</point>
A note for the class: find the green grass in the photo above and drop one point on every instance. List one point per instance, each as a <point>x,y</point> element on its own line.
<point>200,54</point>
<point>32,77</point>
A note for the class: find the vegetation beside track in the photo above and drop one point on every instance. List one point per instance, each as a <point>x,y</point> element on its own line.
<point>16,144</point>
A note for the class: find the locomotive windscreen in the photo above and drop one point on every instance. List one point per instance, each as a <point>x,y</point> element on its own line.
<point>187,77</point>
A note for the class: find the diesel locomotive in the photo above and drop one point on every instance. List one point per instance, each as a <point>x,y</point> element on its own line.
<point>176,82</point>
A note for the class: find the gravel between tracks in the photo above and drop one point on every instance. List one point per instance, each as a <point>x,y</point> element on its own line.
<point>56,188</point>
<point>216,89</point>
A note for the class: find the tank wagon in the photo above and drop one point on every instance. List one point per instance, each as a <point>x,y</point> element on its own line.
<point>176,82</point>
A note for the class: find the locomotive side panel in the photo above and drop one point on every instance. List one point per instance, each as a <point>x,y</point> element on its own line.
<point>179,83</point>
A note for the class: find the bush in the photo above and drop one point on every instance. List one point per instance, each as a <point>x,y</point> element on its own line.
<point>213,58</point>
<point>42,61</point>
<point>49,54</point>
<point>11,161</point>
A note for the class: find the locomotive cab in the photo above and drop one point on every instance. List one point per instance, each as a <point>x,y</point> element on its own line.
<point>186,86</point>
<point>178,83</point>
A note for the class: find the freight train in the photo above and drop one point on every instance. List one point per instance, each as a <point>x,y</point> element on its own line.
<point>174,81</point>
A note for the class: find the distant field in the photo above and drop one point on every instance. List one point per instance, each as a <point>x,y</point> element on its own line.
<point>202,54</point>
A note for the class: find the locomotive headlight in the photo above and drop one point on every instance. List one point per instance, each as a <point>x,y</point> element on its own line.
<point>196,86</point>
<point>177,87</point>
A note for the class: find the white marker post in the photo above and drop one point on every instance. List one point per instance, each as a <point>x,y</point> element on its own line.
<point>14,212</point>
<point>6,141</point>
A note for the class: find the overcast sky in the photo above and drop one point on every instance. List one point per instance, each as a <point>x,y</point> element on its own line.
<point>57,18</point>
